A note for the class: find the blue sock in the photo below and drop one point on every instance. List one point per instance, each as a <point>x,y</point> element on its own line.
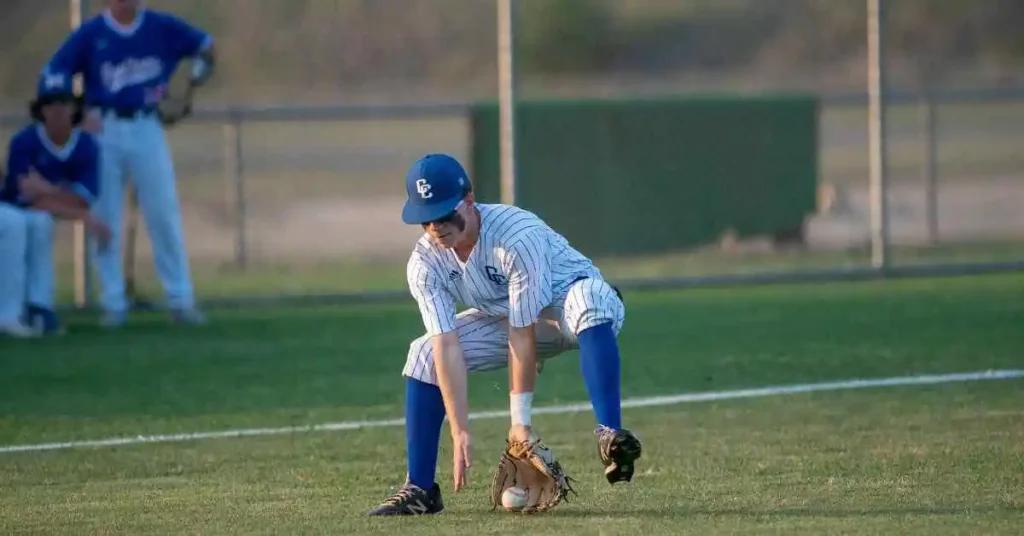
<point>424,415</point>
<point>599,362</point>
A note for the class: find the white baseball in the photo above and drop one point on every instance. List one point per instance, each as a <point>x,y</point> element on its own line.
<point>513,499</point>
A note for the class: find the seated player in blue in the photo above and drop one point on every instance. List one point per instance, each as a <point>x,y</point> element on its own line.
<point>51,173</point>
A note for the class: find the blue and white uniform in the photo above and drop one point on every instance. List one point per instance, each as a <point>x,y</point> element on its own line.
<point>26,235</point>
<point>126,71</point>
<point>520,272</point>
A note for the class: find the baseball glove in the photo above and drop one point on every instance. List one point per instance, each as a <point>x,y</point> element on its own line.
<point>531,466</point>
<point>172,110</point>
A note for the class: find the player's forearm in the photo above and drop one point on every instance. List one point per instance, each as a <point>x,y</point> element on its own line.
<point>63,205</point>
<point>522,372</point>
<point>202,65</point>
<point>522,359</point>
<point>451,378</point>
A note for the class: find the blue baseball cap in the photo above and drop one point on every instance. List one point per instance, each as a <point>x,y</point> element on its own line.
<point>51,88</point>
<point>54,87</point>
<point>435,185</point>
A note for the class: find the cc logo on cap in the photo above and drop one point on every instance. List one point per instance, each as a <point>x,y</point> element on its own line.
<point>423,189</point>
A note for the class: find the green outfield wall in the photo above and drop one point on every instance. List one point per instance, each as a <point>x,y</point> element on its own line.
<point>650,176</point>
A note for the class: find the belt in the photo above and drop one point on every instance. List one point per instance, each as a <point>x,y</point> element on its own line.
<point>128,113</point>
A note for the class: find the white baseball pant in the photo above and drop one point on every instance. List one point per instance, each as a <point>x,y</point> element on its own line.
<point>484,338</point>
<point>26,261</point>
<point>140,145</point>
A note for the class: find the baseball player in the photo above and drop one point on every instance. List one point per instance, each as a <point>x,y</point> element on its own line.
<point>127,55</point>
<point>531,296</point>
<point>52,172</point>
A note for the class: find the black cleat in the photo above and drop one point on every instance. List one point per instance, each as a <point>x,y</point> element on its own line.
<point>411,500</point>
<point>619,449</point>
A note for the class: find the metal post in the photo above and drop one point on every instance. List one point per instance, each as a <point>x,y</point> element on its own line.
<point>82,282</point>
<point>235,182</point>
<point>930,167</point>
<point>877,135</point>
<point>506,99</point>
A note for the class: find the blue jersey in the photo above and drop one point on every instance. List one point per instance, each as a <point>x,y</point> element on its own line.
<point>127,66</point>
<point>75,166</point>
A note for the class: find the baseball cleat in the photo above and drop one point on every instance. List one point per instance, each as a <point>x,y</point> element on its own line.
<point>113,319</point>
<point>411,500</point>
<point>619,450</point>
<point>44,321</point>
<point>18,330</point>
<point>189,316</point>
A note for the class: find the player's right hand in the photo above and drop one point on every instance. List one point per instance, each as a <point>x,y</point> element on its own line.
<point>99,230</point>
<point>93,121</point>
<point>462,448</point>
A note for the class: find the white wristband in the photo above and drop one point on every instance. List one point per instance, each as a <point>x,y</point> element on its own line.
<point>520,405</point>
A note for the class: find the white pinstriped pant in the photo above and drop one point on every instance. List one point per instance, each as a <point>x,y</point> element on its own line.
<point>484,337</point>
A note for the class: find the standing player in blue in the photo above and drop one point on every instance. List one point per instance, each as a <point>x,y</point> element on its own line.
<point>531,297</point>
<point>127,55</point>
<point>51,173</point>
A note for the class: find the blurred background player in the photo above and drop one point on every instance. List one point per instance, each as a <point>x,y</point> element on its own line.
<point>52,172</point>
<point>127,55</point>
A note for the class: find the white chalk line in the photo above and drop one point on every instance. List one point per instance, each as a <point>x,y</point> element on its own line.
<point>543,410</point>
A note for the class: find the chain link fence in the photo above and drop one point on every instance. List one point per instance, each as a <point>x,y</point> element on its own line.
<point>291,175</point>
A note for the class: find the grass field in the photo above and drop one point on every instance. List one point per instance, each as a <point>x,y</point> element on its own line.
<point>940,459</point>
<point>267,277</point>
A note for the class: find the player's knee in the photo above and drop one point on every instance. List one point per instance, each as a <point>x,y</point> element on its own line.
<point>39,225</point>
<point>419,363</point>
<point>13,222</point>
<point>421,349</point>
<point>593,302</point>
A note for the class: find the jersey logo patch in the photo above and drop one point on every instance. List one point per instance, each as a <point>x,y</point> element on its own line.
<point>495,276</point>
<point>453,275</point>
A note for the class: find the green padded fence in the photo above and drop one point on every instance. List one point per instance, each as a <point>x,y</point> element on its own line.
<point>623,177</point>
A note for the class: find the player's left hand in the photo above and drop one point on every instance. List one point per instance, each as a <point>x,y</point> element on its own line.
<point>32,185</point>
<point>530,465</point>
<point>172,113</point>
<point>172,110</point>
<point>99,230</point>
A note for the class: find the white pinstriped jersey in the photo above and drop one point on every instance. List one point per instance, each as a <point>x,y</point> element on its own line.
<point>518,267</point>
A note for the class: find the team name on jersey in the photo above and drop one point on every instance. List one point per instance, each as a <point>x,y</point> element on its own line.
<point>130,72</point>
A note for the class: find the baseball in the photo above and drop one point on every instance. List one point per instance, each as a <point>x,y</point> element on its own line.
<point>513,499</point>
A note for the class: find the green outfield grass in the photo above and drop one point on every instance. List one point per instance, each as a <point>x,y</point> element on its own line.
<point>928,459</point>
<point>268,277</point>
